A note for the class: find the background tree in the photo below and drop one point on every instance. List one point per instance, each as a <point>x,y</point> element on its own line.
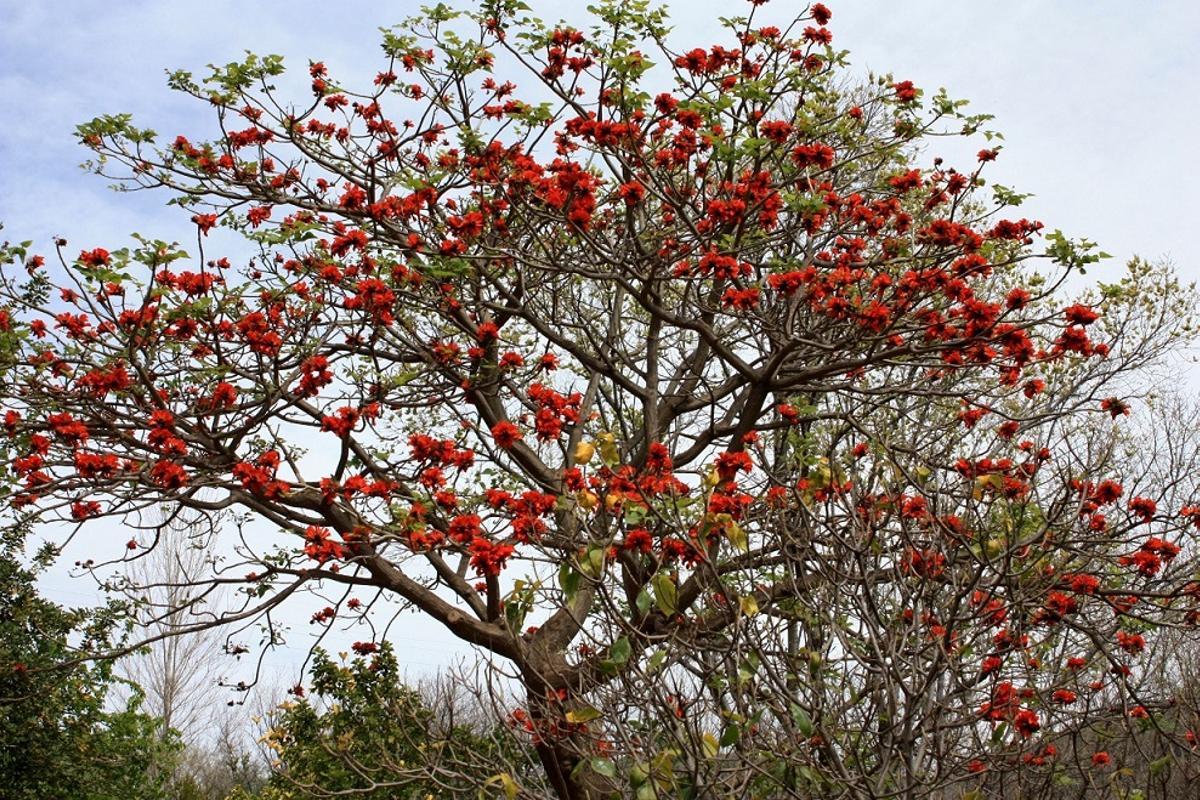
<point>363,731</point>
<point>178,674</point>
<point>180,677</point>
<point>58,735</point>
<point>768,457</point>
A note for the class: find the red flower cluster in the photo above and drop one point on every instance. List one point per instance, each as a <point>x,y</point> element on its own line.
<point>258,477</point>
<point>553,410</point>
<point>320,547</point>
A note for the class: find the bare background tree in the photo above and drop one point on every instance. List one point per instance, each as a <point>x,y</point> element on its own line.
<point>179,674</point>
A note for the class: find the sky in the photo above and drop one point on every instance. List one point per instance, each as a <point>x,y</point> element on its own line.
<point>1097,101</point>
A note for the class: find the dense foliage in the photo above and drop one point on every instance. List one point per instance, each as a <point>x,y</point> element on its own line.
<point>362,729</point>
<point>764,448</point>
<point>59,735</point>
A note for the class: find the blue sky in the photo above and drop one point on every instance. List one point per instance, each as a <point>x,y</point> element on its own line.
<point>1097,102</point>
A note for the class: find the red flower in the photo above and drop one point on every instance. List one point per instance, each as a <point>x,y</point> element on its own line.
<point>906,182</point>
<point>632,193</point>
<point>506,434</point>
<point>1144,507</point>
<point>728,464</point>
<point>95,258</point>
<point>789,413</point>
<point>319,546</point>
<point>1084,584</point>
<point>813,155</point>
<point>817,35</point>
<point>1132,643</point>
<point>224,395</point>
<point>776,131</point>
<point>488,558</point>
<point>905,91</point>
<point>343,423</point>
<point>740,299</point>
<point>639,540</point>
<point>787,283</point>
<point>84,509</point>
<point>693,61</point>
<point>1026,723</point>
<point>510,360</point>
<point>204,222</point>
<point>465,528</point>
<point>820,13</point>
<point>1081,314</point>
<point>1017,298</point>
<point>168,475</point>
<point>258,215</point>
<point>1115,407</point>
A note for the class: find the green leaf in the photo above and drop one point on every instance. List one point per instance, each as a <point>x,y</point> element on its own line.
<point>584,714</point>
<point>593,562</point>
<point>569,579</point>
<point>620,650</point>
<point>643,602</point>
<point>665,594</point>
<point>618,655</point>
<point>802,720</point>
<point>604,766</point>
<point>514,613</point>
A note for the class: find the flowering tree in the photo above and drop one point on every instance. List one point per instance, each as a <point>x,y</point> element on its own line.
<point>771,458</point>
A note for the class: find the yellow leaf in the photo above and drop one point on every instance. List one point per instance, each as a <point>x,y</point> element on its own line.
<point>749,605</point>
<point>608,448</point>
<point>506,783</point>
<point>819,476</point>
<point>982,482</point>
<point>587,500</point>
<point>711,745</point>
<point>737,537</point>
<point>584,452</point>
